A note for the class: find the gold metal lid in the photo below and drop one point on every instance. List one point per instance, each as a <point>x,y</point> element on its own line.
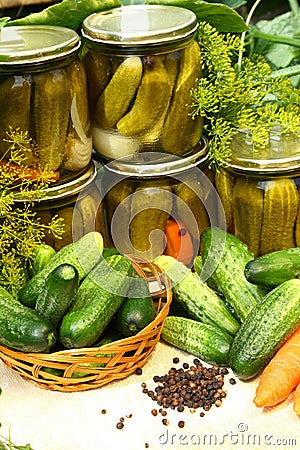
<point>59,192</point>
<point>156,164</point>
<point>281,155</point>
<point>140,28</point>
<point>35,44</point>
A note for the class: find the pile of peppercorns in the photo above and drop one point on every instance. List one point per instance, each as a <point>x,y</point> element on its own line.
<point>194,386</point>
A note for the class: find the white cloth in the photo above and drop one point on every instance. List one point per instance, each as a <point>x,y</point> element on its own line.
<point>51,420</point>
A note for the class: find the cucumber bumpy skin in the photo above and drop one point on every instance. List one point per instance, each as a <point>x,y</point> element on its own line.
<point>225,256</point>
<point>280,212</point>
<point>22,328</point>
<point>15,94</point>
<point>248,200</point>
<point>98,70</point>
<point>57,293</point>
<point>272,269</point>
<point>98,298</point>
<point>52,102</point>
<point>83,254</point>
<point>205,341</point>
<point>151,98</point>
<point>146,218</point>
<point>114,101</point>
<point>197,298</point>
<point>270,323</point>
<point>224,182</point>
<point>181,132</point>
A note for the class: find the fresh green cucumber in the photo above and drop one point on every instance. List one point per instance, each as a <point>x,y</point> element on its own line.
<point>274,268</point>
<point>98,298</point>
<point>22,328</point>
<point>224,259</point>
<point>57,293</point>
<point>208,342</point>
<point>83,254</point>
<point>269,324</point>
<point>136,312</point>
<point>197,298</point>
<point>109,251</point>
<point>40,258</point>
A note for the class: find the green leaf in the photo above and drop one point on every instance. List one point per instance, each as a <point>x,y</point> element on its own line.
<point>234,4</point>
<point>68,13</point>
<point>3,21</point>
<point>278,39</point>
<point>221,17</point>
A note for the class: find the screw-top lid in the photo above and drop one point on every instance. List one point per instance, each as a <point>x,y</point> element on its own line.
<point>34,44</point>
<point>156,164</point>
<point>140,28</point>
<point>281,155</point>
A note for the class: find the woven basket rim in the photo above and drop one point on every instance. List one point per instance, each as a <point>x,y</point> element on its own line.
<point>120,365</point>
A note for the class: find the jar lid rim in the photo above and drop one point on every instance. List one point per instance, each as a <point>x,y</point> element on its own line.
<point>62,191</point>
<point>152,164</point>
<point>29,44</point>
<point>140,25</point>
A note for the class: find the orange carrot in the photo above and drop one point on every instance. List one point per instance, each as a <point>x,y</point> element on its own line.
<point>297,400</point>
<point>178,241</point>
<point>281,375</point>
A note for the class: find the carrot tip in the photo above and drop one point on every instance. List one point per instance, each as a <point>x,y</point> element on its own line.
<point>258,402</point>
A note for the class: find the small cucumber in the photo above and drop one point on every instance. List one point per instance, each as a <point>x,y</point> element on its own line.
<point>42,255</point>
<point>197,298</point>
<point>224,259</point>
<point>274,268</point>
<point>57,293</point>
<point>269,324</point>
<point>98,298</point>
<point>22,328</point>
<point>135,313</point>
<point>208,342</point>
<point>83,254</point>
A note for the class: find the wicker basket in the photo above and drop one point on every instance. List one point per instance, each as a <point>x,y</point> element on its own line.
<point>128,354</point>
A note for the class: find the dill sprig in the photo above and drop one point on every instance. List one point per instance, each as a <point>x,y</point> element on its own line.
<point>245,96</point>
<point>20,228</point>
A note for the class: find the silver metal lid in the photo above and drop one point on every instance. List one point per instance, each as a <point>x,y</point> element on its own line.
<point>156,164</point>
<point>23,45</point>
<point>137,27</point>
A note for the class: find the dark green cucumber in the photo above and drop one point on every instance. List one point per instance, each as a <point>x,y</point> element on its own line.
<point>274,268</point>
<point>22,328</point>
<point>269,324</point>
<point>224,259</point>
<point>83,254</point>
<point>109,251</point>
<point>197,298</point>
<point>208,342</point>
<point>41,256</point>
<point>137,311</point>
<point>99,296</point>
<point>134,315</point>
<point>57,293</point>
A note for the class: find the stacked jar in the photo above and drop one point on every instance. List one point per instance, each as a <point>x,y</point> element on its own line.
<point>260,191</point>
<point>142,62</point>
<point>45,130</point>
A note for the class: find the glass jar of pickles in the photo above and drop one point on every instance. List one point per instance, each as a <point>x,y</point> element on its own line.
<point>260,192</point>
<point>43,92</point>
<point>141,62</point>
<point>159,203</point>
<point>77,202</point>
